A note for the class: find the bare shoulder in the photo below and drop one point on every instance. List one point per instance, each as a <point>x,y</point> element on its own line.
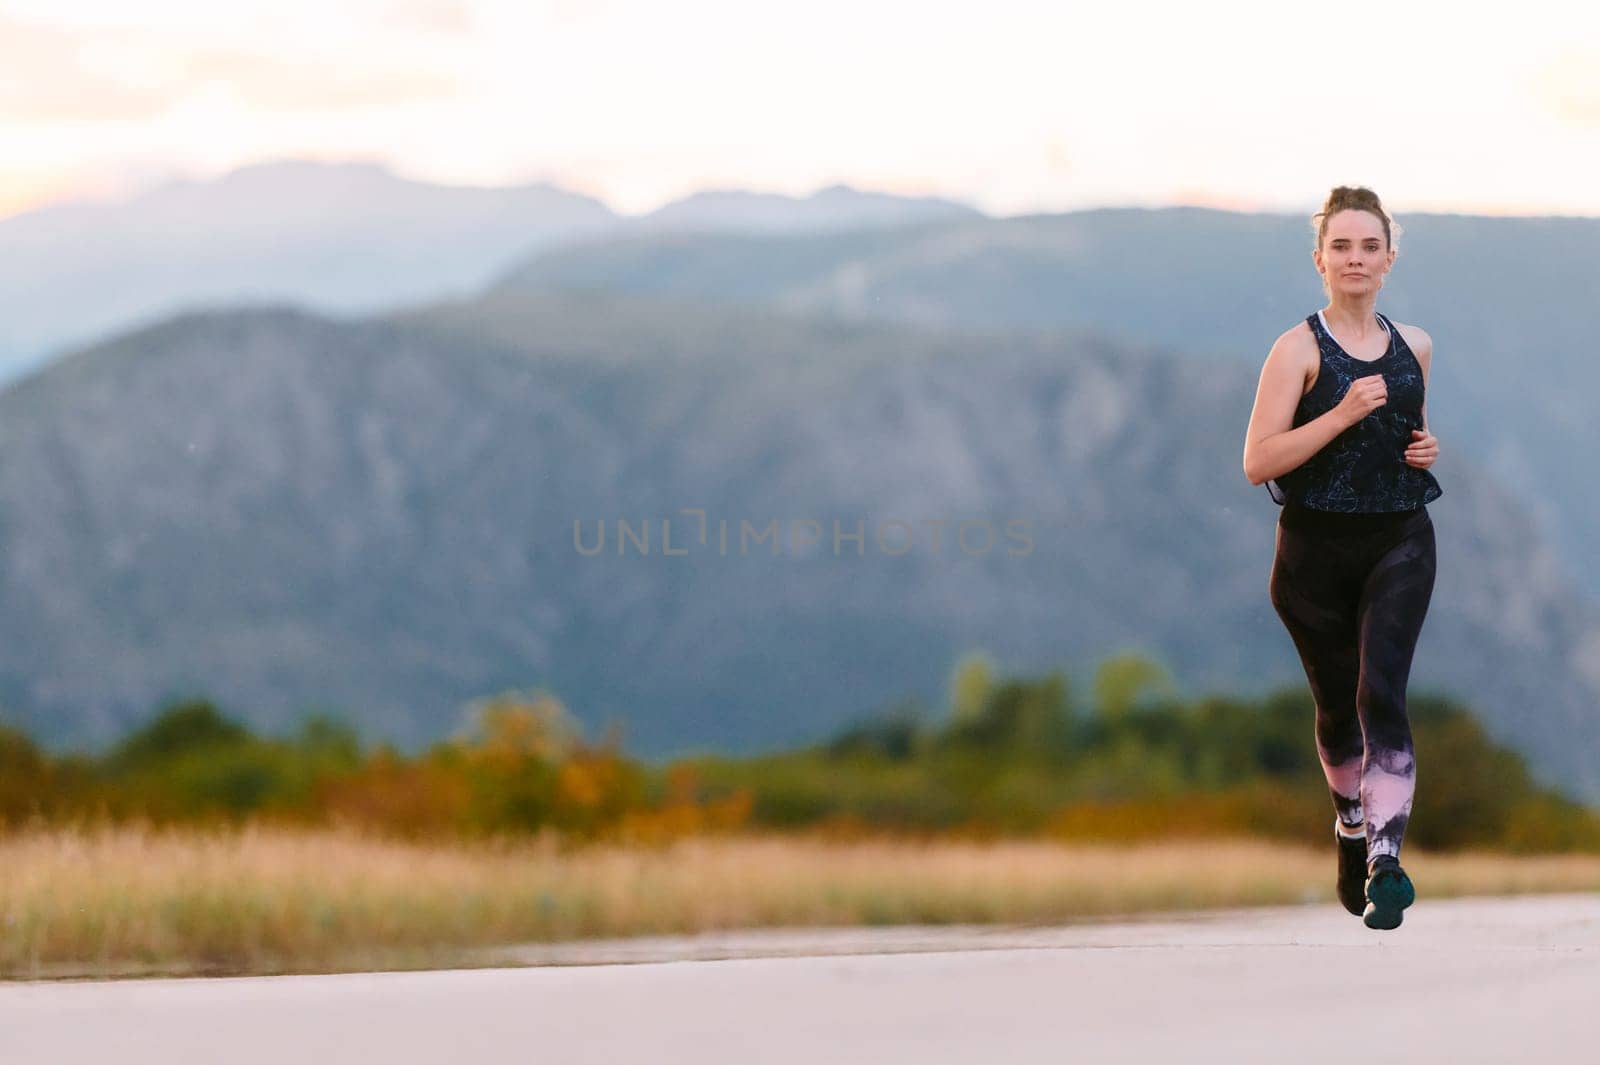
<point>1296,341</point>
<point>1297,345</point>
<point>1417,339</point>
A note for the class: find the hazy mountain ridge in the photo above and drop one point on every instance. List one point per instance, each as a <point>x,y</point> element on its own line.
<point>1504,299</point>
<point>836,207</point>
<point>283,510</point>
<point>338,238</point>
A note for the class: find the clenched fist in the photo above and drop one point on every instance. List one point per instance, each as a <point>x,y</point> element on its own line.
<point>1365,395</point>
<point>1422,450</point>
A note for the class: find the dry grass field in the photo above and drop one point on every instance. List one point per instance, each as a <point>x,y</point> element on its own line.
<point>130,901</point>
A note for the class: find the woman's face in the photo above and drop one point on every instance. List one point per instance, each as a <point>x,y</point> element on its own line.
<point>1354,255</point>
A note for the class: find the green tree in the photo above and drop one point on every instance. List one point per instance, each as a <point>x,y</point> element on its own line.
<point>970,684</point>
<point>329,740</point>
<point>1123,680</point>
<point>1019,717</point>
<point>182,727</point>
<point>897,733</point>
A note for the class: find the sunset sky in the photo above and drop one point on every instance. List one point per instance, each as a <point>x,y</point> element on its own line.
<point>1013,107</point>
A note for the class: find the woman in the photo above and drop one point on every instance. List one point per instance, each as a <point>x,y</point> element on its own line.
<point>1339,435</point>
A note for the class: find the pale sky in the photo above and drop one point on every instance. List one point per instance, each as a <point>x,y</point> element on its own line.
<point>1013,107</point>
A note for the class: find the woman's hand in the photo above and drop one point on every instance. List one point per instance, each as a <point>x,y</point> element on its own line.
<point>1422,450</point>
<point>1365,395</point>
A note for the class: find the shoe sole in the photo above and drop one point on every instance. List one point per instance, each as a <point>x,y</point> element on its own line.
<point>1387,897</point>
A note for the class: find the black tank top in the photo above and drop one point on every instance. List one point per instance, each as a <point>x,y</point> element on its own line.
<point>1363,469</point>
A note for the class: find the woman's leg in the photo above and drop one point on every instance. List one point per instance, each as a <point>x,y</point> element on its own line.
<point>1319,605</point>
<point>1394,601</point>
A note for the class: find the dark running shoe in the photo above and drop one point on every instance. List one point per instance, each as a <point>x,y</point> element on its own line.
<point>1352,870</point>
<point>1389,891</point>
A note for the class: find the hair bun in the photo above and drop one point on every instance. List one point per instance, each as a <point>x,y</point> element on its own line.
<point>1345,197</point>
<point>1358,198</point>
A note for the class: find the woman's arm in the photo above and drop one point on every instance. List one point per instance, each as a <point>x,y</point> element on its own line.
<point>1424,446</point>
<point>1272,445</point>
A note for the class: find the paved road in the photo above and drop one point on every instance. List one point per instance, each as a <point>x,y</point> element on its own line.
<point>1480,980</point>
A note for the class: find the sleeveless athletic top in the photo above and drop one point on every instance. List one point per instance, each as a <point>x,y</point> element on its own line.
<point>1363,469</point>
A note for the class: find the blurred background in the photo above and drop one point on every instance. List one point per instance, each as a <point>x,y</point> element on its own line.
<point>632,421</point>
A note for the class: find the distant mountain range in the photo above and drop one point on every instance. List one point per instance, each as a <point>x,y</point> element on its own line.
<point>1506,300</point>
<point>287,511</point>
<point>831,209</point>
<point>337,238</point>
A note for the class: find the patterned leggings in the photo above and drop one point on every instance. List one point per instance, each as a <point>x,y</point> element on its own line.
<point>1352,589</point>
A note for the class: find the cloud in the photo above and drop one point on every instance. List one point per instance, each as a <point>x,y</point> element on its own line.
<point>42,77</point>
<point>433,16</point>
<point>268,83</point>
<point>1568,86</point>
<point>49,74</point>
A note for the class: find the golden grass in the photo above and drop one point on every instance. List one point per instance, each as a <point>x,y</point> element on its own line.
<point>139,900</point>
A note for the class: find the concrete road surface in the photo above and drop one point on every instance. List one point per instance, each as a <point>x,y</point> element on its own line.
<point>1470,980</point>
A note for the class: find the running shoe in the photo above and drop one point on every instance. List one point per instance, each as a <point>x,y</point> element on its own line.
<point>1389,891</point>
<point>1352,869</point>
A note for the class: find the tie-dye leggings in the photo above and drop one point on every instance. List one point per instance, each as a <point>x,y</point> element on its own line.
<point>1352,589</point>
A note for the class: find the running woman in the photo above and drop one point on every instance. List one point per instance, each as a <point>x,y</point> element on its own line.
<point>1339,436</point>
